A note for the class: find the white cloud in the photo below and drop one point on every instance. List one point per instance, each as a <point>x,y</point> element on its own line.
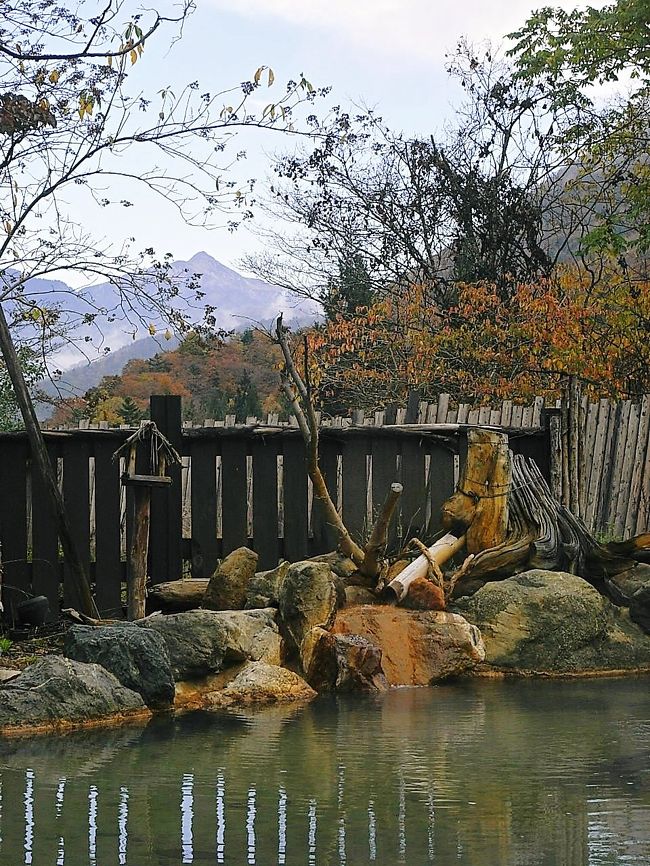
<point>417,29</point>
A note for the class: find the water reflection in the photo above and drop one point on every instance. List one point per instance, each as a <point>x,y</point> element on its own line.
<point>529,774</point>
<point>28,799</point>
<point>187,817</point>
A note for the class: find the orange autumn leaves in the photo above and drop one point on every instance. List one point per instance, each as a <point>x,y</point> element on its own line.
<point>490,343</point>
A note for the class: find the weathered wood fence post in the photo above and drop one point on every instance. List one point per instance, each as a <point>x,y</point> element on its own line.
<point>166,532</point>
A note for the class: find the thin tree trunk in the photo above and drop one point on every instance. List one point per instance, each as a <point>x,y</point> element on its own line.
<point>41,459</point>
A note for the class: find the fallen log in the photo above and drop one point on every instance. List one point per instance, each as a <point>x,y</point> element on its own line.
<point>178,595</point>
<point>440,552</point>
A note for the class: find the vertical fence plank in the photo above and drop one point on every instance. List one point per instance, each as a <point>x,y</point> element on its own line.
<point>588,424</point>
<point>412,503</point>
<point>440,483</point>
<point>597,464</point>
<point>166,529</point>
<point>640,456</point>
<point>643,516</point>
<point>324,537</point>
<point>46,571</point>
<point>235,492</point>
<point>443,409</point>
<point>627,469</point>
<point>384,473</point>
<point>355,485</point>
<point>13,522</point>
<point>616,468</point>
<point>108,564</point>
<point>206,547</point>
<point>295,545</point>
<point>76,495</point>
<point>265,501</point>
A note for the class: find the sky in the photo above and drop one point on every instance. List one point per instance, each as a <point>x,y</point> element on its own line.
<point>385,54</point>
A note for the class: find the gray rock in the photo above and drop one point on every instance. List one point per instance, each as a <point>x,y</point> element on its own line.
<point>553,622</point>
<point>626,583</point>
<point>227,587</point>
<point>307,598</point>
<point>640,607</point>
<point>200,642</point>
<point>341,662</point>
<point>56,690</point>
<point>264,587</point>
<point>360,595</point>
<point>137,657</point>
<point>260,683</point>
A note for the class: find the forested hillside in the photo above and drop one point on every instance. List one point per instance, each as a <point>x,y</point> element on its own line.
<point>215,377</point>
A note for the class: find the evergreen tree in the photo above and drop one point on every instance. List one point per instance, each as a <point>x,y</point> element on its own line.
<point>129,412</point>
<point>247,401</point>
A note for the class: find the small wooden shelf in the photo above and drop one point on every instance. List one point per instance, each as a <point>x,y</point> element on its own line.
<point>146,480</point>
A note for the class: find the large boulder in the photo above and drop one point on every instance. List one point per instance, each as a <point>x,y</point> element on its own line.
<point>58,692</point>
<point>555,623</point>
<point>226,589</point>
<point>264,587</point>
<point>341,662</point>
<point>137,657</point>
<point>201,642</point>
<point>418,647</point>
<point>260,683</point>
<point>308,597</point>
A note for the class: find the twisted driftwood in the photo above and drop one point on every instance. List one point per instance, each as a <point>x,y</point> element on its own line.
<point>539,533</point>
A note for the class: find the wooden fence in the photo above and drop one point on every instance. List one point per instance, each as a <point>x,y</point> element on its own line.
<point>247,484</point>
<point>238,485</point>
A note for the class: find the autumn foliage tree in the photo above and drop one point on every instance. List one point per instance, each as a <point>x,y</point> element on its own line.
<point>485,347</point>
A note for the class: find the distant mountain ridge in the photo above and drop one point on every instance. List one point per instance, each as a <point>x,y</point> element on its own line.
<point>240,302</point>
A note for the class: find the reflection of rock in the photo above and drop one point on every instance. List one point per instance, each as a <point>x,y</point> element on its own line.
<point>56,691</point>
<point>200,642</point>
<point>341,662</point>
<point>554,622</point>
<point>264,587</point>
<point>260,683</point>
<point>226,589</point>
<point>308,597</point>
<point>137,657</point>
<point>418,647</point>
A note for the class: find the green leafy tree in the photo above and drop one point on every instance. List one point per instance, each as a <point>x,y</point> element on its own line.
<point>568,52</point>
<point>351,290</point>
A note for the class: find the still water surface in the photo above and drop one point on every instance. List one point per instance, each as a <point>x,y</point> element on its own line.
<point>478,774</point>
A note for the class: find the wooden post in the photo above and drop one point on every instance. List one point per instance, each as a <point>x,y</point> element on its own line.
<point>137,565</point>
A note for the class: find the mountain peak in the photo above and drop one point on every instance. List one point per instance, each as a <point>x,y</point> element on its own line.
<point>204,261</point>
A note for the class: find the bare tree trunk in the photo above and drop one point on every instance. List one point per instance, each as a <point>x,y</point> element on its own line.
<point>41,459</point>
<point>298,392</point>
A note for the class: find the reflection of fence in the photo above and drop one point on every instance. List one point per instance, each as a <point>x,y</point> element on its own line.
<point>239,485</point>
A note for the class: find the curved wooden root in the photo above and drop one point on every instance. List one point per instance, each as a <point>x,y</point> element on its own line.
<point>544,534</point>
